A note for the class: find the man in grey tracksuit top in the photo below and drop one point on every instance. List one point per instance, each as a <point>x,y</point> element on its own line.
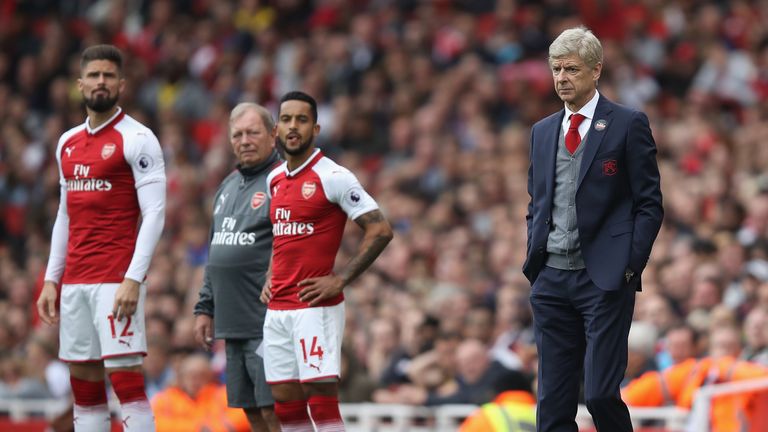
<point>238,259</point>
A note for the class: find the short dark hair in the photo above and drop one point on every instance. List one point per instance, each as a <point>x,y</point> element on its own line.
<point>301,96</point>
<point>102,52</point>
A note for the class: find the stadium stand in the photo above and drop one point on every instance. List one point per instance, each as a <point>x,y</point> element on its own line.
<point>430,103</point>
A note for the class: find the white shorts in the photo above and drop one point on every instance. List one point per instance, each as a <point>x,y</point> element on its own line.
<point>89,332</point>
<point>303,344</point>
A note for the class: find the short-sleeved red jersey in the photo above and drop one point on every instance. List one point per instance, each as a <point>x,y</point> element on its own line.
<point>309,208</point>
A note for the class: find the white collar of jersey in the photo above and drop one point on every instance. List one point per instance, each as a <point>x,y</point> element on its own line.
<point>103,125</point>
<point>306,162</point>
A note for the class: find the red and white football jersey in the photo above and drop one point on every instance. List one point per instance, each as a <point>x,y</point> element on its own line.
<point>309,209</point>
<point>100,169</point>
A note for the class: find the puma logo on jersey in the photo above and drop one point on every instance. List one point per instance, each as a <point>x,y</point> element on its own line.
<point>315,367</point>
<point>126,343</point>
<point>68,150</point>
<point>222,198</point>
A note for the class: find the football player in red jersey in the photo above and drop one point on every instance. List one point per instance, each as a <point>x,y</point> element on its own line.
<point>111,174</point>
<point>312,198</point>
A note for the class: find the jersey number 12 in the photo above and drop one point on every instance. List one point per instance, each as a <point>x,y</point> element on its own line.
<point>125,332</point>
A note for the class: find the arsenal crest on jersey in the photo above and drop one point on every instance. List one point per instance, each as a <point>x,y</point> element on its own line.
<point>308,189</point>
<point>258,199</point>
<point>610,167</point>
<point>108,150</point>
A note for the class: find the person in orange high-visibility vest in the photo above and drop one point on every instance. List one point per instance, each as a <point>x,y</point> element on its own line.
<point>513,409</point>
<point>196,403</point>
<point>678,385</point>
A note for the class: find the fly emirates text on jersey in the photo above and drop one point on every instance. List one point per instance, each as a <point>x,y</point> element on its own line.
<point>283,225</point>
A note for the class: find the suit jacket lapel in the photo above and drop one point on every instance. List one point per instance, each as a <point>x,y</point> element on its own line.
<point>549,152</point>
<point>594,137</point>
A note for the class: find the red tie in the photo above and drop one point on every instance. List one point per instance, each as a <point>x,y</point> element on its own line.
<point>572,138</point>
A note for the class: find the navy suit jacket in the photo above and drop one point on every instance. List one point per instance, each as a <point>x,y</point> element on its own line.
<point>618,197</point>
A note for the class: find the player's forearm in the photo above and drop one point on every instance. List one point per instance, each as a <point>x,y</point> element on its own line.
<point>59,239</point>
<point>378,234</point>
<point>149,235</point>
<point>367,255</point>
<point>268,273</point>
<point>205,303</point>
<point>152,202</point>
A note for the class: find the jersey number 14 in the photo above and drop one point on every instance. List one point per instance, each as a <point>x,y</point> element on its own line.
<point>314,350</point>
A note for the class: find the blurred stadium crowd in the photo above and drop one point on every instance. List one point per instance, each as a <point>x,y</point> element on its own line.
<point>429,102</point>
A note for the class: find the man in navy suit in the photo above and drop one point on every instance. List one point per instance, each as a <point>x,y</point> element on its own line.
<point>594,214</point>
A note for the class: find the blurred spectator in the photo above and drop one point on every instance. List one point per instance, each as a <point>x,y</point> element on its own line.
<point>415,336</point>
<point>383,345</point>
<point>158,370</point>
<point>657,310</point>
<point>679,344</point>
<point>355,384</point>
<point>43,362</point>
<point>678,384</point>
<point>478,324</point>
<point>475,374</point>
<point>511,410</point>
<point>725,342</point>
<point>641,350</point>
<point>430,373</point>
<point>17,383</point>
<point>514,340</point>
<point>196,402</point>
<point>756,336</point>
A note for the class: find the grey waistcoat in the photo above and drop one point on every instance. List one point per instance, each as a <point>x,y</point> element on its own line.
<point>563,245</point>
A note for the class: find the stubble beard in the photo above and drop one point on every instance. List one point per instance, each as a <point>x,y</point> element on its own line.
<point>298,150</point>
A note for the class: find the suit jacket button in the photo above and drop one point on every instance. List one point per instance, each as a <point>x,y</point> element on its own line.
<point>546,222</point>
<point>541,250</point>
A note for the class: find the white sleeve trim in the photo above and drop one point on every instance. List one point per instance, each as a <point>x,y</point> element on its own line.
<point>59,239</point>
<point>342,188</point>
<point>151,198</point>
<point>143,154</point>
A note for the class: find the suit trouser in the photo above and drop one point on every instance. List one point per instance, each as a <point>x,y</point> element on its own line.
<point>579,327</point>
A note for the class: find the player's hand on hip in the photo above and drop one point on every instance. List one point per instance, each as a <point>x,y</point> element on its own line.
<point>46,303</point>
<point>314,290</point>
<point>204,331</point>
<point>266,292</point>
<point>126,299</point>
